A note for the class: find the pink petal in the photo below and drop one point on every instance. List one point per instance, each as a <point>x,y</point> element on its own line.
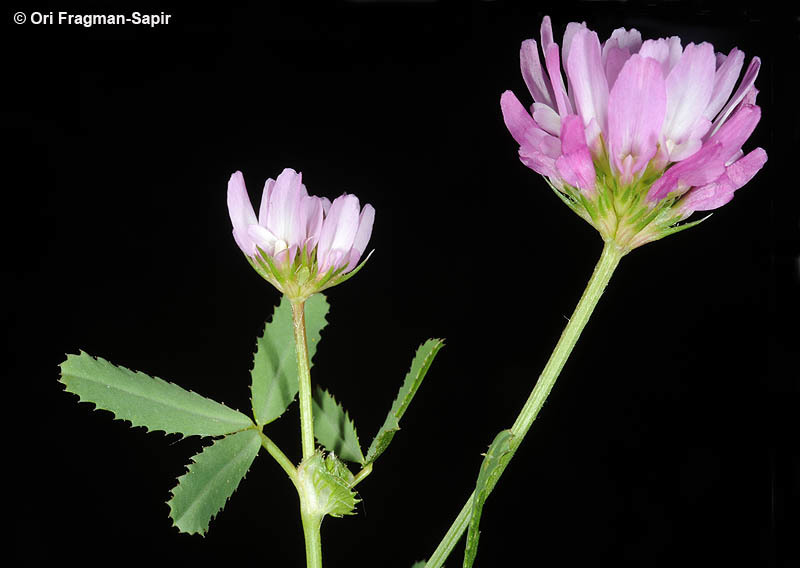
<point>538,84</point>
<point>575,164</point>
<point>263,210</point>
<point>552,62</point>
<point>707,197</point>
<point>750,96</point>
<point>518,121</point>
<point>538,150</point>
<point>691,145</point>
<point>622,39</point>
<point>314,215</point>
<point>615,59</point>
<point>338,231</point>
<point>636,108</point>
<point>617,50</point>
<point>546,33</point>
<point>587,77</point>
<point>326,204</point>
<point>744,87</point>
<point>702,167</point>
<point>241,212</point>
<point>546,118</point>
<point>724,80</point>
<point>689,87</point>
<point>742,170</point>
<point>538,162</point>
<point>363,234</point>
<point>263,238</point>
<point>365,222</point>
<point>736,130</point>
<point>569,35</point>
<point>286,213</point>
<point>667,51</point>
<point>719,192</point>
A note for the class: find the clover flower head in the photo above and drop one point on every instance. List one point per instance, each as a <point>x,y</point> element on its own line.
<point>300,243</point>
<point>641,134</point>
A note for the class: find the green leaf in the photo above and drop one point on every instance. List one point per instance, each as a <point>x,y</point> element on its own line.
<point>274,374</point>
<point>334,429</point>
<point>419,366</point>
<point>499,451</point>
<point>147,401</point>
<point>420,564</point>
<point>212,478</point>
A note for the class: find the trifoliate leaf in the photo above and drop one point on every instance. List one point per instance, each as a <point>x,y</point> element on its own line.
<point>212,478</point>
<point>147,401</point>
<point>419,367</point>
<point>274,374</point>
<point>334,429</point>
<point>499,450</point>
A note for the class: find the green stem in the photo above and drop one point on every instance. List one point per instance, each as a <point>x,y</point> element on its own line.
<point>311,526</point>
<point>609,259</point>
<point>285,463</point>
<point>303,378</point>
<point>361,475</point>
<point>311,522</point>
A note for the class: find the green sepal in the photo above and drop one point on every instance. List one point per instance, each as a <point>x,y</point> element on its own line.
<point>334,429</point>
<point>499,451</point>
<point>419,367</point>
<point>335,279</point>
<point>211,479</point>
<point>678,228</point>
<point>147,401</point>
<point>274,375</point>
<point>324,486</point>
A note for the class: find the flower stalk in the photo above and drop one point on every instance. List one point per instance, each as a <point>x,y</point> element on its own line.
<point>304,379</point>
<point>311,519</point>
<point>609,259</point>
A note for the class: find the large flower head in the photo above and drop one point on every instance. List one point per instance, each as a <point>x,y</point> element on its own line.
<point>300,243</point>
<point>636,135</point>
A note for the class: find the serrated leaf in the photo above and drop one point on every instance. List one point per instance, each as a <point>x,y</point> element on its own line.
<point>147,401</point>
<point>419,367</point>
<point>490,469</point>
<point>334,429</point>
<point>274,374</point>
<point>212,478</point>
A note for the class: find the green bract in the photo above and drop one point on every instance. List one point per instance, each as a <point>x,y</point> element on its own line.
<point>301,278</point>
<point>622,214</point>
<point>324,486</point>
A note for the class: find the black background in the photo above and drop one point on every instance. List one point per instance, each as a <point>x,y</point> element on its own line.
<point>670,438</point>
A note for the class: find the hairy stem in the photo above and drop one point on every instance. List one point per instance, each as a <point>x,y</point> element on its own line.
<point>311,522</point>
<point>609,259</point>
<point>311,531</point>
<point>304,379</point>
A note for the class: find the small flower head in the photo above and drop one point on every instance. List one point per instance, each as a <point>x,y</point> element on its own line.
<point>641,134</point>
<point>300,243</point>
